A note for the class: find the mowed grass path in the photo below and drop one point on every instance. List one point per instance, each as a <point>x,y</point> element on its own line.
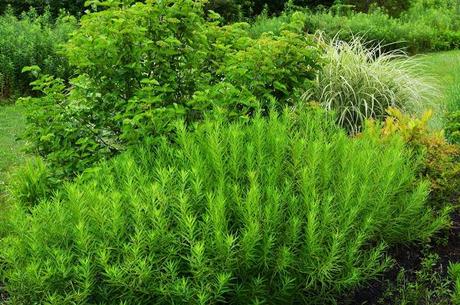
<point>12,124</point>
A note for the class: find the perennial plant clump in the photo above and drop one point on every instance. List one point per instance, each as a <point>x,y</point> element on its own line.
<point>283,209</point>
<point>141,66</point>
<point>359,83</point>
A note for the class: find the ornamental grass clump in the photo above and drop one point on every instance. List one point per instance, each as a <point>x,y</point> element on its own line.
<point>359,82</point>
<point>281,210</point>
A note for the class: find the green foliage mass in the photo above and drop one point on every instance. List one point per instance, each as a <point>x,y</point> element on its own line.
<point>31,40</point>
<point>284,209</point>
<point>31,182</point>
<point>425,26</point>
<point>453,127</point>
<point>233,10</point>
<point>422,28</point>
<point>141,66</point>
<point>230,10</point>
<point>74,7</point>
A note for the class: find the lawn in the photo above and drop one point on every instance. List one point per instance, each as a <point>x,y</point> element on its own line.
<point>11,125</point>
<point>445,68</point>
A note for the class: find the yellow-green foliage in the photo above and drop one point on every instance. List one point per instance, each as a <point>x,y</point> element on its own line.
<point>441,159</point>
<point>31,182</point>
<point>282,210</point>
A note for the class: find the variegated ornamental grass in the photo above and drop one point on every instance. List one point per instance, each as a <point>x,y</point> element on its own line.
<point>361,82</point>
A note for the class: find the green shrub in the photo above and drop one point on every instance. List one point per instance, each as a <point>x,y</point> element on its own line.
<point>264,24</point>
<point>440,165</point>
<point>287,209</point>
<point>360,83</point>
<point>273,67</point>
<point>142,66</point>
<point>31,40</point>
<point>31,182</point>
<point>440,14</point>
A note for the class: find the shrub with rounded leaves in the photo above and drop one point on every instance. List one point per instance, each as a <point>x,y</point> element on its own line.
<point>139,67</point>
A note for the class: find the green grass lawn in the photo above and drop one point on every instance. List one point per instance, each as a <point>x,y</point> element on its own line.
<point>445,68</point>
<point>444,65</point>
<point>11,125</point>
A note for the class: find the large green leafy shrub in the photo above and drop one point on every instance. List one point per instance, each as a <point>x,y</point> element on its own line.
<point>281,210</point>
<point>31,40</point>
<point>141,66</point>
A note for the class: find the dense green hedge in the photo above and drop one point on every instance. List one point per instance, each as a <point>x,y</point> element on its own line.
<point>426,26</point>
<point>230,9</point>
<point>414,36</point>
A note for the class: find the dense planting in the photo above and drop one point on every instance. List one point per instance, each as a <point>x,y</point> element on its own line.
<point>179,156</point>
<point>441,159</point>
<point>54,6</point>
<point>426,26</point>
<point>230,10</point>
<point>287,209</point>
<point>31,40</point>
<point>141,67</point>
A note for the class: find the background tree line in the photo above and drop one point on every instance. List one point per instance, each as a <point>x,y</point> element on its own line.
<point>229,9</point>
